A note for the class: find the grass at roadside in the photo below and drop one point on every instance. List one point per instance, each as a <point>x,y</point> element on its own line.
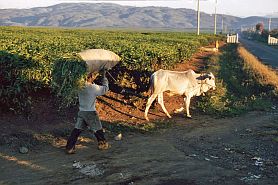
<point>264,75</point>
<point>243,83</point>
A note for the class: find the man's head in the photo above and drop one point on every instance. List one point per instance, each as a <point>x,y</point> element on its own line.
<point>91,77</point>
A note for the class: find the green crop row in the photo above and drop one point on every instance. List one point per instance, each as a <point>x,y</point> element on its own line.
<point>36,58</point>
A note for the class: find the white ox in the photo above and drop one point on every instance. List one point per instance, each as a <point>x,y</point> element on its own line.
<point>185,83</point>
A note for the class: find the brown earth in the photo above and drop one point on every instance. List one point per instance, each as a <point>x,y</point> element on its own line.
<point>202,150</point>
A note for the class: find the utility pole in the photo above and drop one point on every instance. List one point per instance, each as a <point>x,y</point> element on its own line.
<point>269,23</point>
<point>222,24</point>
<point>215,18</point>
<point>198,17</point>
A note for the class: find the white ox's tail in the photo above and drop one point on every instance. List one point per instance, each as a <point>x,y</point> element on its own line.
<point>151,96</point>
<point>152,83</point>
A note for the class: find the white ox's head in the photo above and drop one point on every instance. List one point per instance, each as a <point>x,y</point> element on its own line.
<point>207,82</point>
<point>210,81</point>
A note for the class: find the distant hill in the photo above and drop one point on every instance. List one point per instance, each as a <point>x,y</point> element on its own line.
<point>273,15</point>
<point>106,15</point>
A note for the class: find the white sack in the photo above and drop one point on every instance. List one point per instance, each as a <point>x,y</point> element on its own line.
<point>98,59</point>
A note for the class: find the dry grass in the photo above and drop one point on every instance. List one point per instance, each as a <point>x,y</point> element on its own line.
<point>264,74</point>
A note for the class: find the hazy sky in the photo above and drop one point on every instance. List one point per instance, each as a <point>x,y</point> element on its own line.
<point>241,8</point>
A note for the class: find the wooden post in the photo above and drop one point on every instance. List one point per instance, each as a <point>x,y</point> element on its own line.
<point>216,45</point>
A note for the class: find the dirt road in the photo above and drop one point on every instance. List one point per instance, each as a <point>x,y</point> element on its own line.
<point>265,53</point>
<point>202,150</point>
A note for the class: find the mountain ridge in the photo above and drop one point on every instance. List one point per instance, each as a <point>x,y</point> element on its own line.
<point>109,15</point>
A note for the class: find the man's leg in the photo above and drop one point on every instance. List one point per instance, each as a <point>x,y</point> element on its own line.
<point>79,126</point>
<point>102,143</point>
<point>70,147</point>
<point>95,126</point>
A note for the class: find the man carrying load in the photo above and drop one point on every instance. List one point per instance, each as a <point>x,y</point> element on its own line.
<point>87,115</point>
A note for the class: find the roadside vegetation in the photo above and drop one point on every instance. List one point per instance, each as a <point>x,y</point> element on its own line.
<point>243,83</point>
<point>264,75</point>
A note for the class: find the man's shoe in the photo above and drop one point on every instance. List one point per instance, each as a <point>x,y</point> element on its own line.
<point>103,145</point>
<point>70,151</point>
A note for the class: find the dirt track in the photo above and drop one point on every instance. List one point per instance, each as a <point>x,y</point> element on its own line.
<point>202,150</point>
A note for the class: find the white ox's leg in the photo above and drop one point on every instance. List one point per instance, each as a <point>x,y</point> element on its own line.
<point>161,102</point>
<point>187,104</point>
<point>149,103</point>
